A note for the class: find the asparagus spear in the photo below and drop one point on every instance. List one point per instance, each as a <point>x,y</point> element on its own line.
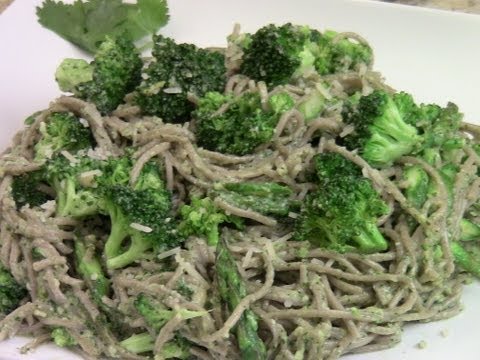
<point>232,290</point>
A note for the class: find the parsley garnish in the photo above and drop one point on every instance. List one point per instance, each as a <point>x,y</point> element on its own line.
<point>86,23</point>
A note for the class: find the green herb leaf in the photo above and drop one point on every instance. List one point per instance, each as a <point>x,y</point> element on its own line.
<point>86,23</point>
<point>146,16</point>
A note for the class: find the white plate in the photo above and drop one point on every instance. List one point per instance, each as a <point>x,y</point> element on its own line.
<point>432,54</point>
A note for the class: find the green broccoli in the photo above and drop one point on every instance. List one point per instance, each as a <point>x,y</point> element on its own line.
<point>11,293</point>
<point>340,54</point>
<point>381,133</point>
<point>266,198</point>
<point>232,290</point>
<point>312,105</point>
<point>243,126</point>
<point>128,209</point>
<point>341,214</point>
<point>329,166</point>
<point>279,54</point>
<point>156,315</point>
<point>469,231</point>
<point>116,171</point>
<point>62,337</point>
<point>115,72</point>
<point>441,127</point>
<point>72,72</point>
<point>141,213</point>
<point>178,348</point>
<point>467,256</point>
<point>202,218</point>
<point>275,54</point>
<point>75,196</point>
<point>418,184</point>
<point>25,189</point>
<point>178,70</point>
<point>62,131</point>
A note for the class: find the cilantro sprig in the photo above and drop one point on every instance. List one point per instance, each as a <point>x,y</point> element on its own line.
<point>86,23</point>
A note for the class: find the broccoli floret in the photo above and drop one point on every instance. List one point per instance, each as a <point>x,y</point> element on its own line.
<point>312,105</point>
<point>62,337</point>
<point>156,315</point>
<point>147,204</point>
<point>178,348</point>
<point>418,184</point>
<point>202,218</point>
<point>128,207</point>
<point>115,171</point>
<point>442,127</point>
<point>11,293</point>
<point>115,72</point>
<point>75,195</point>
<point>62,131</point>
<point>243,126</point>
<point>339,54</point>
<point>72,72</point>
<point>276,54</point>
<point>25,189</point>
<point>266,198</point>
<point>341,214</point>
<point>177,70</point>
<point>381,133</point>
<point>329,166</point>
<point>279,54</point>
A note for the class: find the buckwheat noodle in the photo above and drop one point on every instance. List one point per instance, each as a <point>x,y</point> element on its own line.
<point>311,303</point>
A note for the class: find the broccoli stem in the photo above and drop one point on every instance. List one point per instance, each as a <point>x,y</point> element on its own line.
<point>134,252</point>
<point>381,148</point>
<point>371,239</point>
<point>65,197</point>
<point>115,239</point>
<point>232,289</point>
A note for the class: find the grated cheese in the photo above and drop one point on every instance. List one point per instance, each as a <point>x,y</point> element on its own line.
<point>84,122</point>
<point>141,228</point>
<point>69,157</point>
<point>172,90</point>
<point>87,178</point>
